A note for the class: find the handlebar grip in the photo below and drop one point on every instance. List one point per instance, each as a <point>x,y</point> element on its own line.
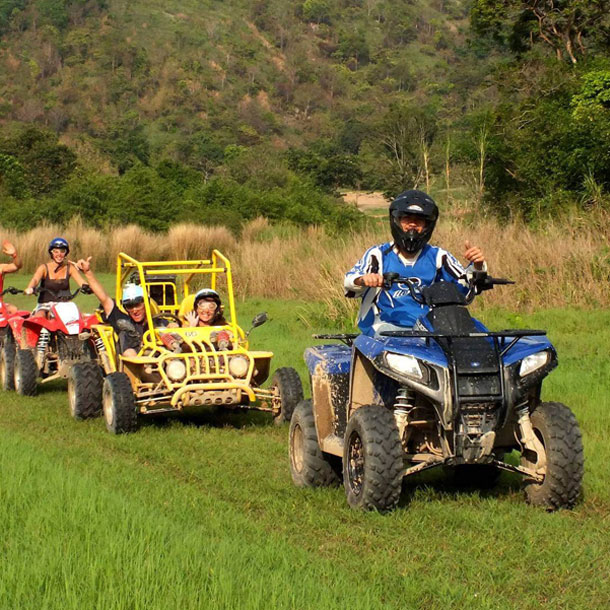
<point>11,290</point>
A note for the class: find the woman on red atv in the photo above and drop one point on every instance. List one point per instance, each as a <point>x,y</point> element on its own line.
<point>14,265</point>
<point>53,280</point>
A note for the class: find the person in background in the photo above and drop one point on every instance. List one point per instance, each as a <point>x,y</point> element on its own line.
<point>207,310</point>
<point>130,327</point>
<point>53,279</point>
<point>5,268</point>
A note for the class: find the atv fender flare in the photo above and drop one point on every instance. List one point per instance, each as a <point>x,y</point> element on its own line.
<point>362,383</point>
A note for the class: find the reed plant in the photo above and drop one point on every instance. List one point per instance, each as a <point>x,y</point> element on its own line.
<point>563,262</point>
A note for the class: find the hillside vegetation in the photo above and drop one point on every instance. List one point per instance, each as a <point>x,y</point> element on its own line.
<point>220,111</point>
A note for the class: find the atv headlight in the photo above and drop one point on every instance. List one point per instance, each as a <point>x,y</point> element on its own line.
<point>532,363</point>
<point>404,365</point>
<point>175,369</point>
<point>238,366</point>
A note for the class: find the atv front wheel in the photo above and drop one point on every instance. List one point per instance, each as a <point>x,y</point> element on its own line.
<point>562,463</point>
<point>309,466</point>
<point>25,372</point>
<point>7,364</point>
<point>372,459</point>
<point>119,404</point>
<point>85,390</point>
<point>287,393</point>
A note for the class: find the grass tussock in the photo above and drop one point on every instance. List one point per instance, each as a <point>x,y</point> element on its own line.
<point>557,264</point>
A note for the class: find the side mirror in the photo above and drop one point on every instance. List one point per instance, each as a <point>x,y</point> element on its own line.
<point>259,319</point>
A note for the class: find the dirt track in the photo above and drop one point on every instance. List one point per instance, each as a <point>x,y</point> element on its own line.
<point>364,200</point>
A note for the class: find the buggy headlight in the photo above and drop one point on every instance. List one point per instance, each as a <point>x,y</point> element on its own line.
<point>175,369</point>
<point>404,365</point>
<point>532,363</point>
<point>238,366</point>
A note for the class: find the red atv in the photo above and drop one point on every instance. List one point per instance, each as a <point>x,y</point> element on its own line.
<point>47,347</point>
<point>7,345</point>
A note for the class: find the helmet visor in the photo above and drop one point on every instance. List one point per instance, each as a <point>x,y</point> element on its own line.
<point>132,303</point>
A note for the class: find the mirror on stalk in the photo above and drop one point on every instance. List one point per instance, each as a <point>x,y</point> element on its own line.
<point>258,320</point>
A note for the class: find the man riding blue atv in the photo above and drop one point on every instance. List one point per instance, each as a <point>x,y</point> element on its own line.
<point>426,385</point>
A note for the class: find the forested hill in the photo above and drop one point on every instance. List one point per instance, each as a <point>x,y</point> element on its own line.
<point>213,103</point>
<point>236,71</point>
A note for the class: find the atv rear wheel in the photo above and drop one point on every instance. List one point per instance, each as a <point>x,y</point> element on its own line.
<point>372,459</point>
<point>85,390</point>
<point>563,463</point>
<point>25,372</point>
<point>309,466</point>
<point>287,393</point>
<point>7,364</point>
<point>119,404</point>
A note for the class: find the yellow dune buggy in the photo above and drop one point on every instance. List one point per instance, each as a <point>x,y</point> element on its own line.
<point>181,368</point>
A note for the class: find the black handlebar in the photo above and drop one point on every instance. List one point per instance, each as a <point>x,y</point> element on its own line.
<point>11,290</point>
<point>85,289</point>
<point>478,282</point>
<point>394,278</point>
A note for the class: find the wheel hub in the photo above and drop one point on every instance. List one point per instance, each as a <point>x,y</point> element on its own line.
<point>108,410</point>
<point>355,465</point>
<point>71,397</point>
<point>297,448</point>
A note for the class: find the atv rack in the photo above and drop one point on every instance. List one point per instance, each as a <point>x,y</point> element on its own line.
<point>515,334</point>
<point>347,338</point>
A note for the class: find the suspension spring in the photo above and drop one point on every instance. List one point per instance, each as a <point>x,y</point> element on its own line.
<point>403,400</point>
<point>402,408</point>
<point>43,341</point>
<point>99,344</point>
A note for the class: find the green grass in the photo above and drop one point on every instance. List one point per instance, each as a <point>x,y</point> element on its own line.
<point>203,514</point>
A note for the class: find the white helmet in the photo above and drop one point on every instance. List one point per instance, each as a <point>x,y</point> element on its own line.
<point>132,295</point>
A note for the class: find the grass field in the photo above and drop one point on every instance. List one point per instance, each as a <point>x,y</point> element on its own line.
<point>203,513</point>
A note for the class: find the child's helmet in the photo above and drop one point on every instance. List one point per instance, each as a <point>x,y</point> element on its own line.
<point>209,295</point>
<point>60,243</point>
<point>412,203</point>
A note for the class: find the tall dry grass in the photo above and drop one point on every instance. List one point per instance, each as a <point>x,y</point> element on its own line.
<point>557,265</point>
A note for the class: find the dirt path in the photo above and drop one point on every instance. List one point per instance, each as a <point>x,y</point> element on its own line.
<point>364,200</point>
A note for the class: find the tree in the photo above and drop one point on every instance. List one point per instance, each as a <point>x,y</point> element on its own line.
<point>316,10</point>
<point>563,25</point>
<point>47,164</point>
<point>126,143</point>
<point>405,135</point>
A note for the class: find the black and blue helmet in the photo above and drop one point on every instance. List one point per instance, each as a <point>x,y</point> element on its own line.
<point>412,203</point>
<point>59,243</point>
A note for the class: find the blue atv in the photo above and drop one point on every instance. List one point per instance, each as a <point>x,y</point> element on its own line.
<point>447,392</point>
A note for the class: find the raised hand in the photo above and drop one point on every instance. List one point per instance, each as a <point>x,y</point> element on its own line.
<point>474,254</point>
<point>8,248</point>
<point>82,264</point>
<point>192,318</point>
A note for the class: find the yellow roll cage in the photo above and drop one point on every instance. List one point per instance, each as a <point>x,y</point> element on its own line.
<point>217,265</point>
<point>206,367</point>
